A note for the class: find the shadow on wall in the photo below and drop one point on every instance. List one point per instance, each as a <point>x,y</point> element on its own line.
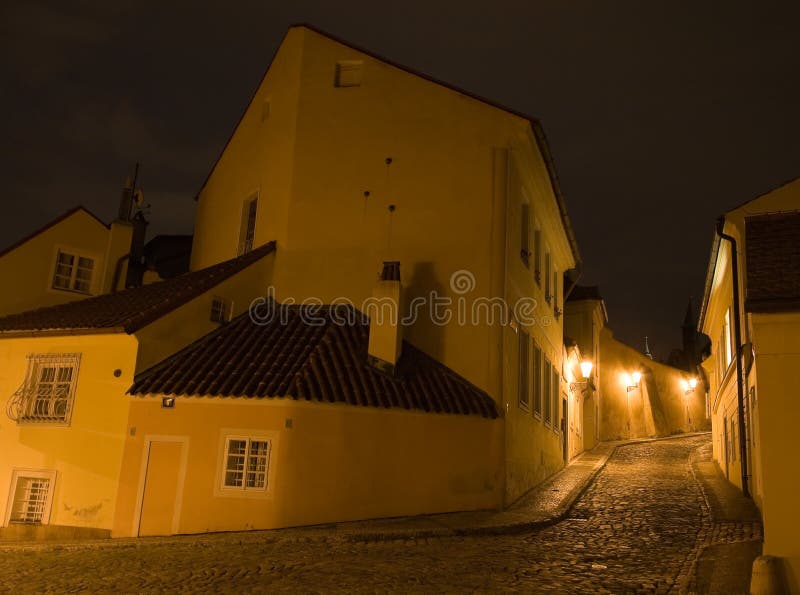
<point>658,405</point>
<point>424,333</point>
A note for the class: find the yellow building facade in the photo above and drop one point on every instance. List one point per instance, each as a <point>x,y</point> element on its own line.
<point>73,257</point>
<point>348,160</point>
<point>752,272</point>
<point>64,373</point>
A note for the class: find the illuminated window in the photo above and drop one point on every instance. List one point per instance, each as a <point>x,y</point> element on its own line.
<point>246,463</point>
<point>523,385</point>
<point>49,390</point>
<point>537,379</point>
<point>30,500</point>
<point>726,335</point>
<point>73,272</point>
<point>221,310</point>
<point>348,73</point>
<point>247,234</point>
<point>525,230</point>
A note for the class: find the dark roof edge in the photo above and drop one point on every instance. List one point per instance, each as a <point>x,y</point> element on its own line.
<point>111,330</point>
<point>53,223</point>
<point>142,322</point>
<point>544,148</point>
<point>712,267</point>
<point>239,121</point>
<point>763,194</point>
<point>772,305</point>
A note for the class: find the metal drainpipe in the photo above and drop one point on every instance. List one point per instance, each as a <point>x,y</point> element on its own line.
<point>737,334</point>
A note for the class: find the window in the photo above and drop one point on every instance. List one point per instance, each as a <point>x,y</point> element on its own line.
<point>732,436</point>
<point>348,73</point>
<point>246,463</point>
<point>525,222</point>
<point>555,290</point>
<point>523,386</point>
<point>73,272</point>
<point>221,310</point>
<point>537,379</point>
<point>726,335</point>
<point>49,390</point>
<point>247,234</point>
<point>30,500</point>
<point>537,255</point>
<point>548,277</point>
<point>546,391</point>
<point>554,390</point>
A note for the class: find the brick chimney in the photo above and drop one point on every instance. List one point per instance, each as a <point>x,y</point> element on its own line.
<point>385,330</point>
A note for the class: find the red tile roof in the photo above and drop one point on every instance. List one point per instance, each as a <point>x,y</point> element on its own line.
<point>773,262</point>
<point>131,309</point>
<point>313,354</point>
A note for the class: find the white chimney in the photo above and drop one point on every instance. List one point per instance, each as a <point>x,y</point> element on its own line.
<point>385,329</point>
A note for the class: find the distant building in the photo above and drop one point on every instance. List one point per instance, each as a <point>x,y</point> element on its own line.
<point>751,312</point>
<point>77,255</point>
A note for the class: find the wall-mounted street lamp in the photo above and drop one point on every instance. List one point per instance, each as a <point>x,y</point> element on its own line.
<point>688,387</point>
<point>632,380</point>
<point>586,372</point>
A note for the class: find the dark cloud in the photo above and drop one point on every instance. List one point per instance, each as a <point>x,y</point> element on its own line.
<point>661,116</point>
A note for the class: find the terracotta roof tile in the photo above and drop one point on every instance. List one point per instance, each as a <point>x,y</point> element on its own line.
<point>313,356</point>
<point>773,262</point>
<point>131,309</point>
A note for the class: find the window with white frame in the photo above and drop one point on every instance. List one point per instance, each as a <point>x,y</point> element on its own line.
<point>48,394</point>
<point>547,376</point>
<point>537,255</point>
<point>548,266</point>
<point>221,310</point>
<point>525,232</point>
<point>524,370</point>
<point>247,232</point>
<point>555,387</point>
<point>31,492</point>
<point>246,463</point>
<point>537,379</point>
<point>73,272</point>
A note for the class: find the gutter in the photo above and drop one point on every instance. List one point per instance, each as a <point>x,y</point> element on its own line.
<point>737,333</point>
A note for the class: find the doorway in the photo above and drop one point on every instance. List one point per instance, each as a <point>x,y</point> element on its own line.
<point>163,486</point>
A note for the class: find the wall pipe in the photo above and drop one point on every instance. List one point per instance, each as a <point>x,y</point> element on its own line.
<point>737,334</point>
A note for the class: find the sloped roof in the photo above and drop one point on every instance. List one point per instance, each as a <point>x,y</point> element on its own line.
<point>310,353</point>
<point>773,262</point>
<point>536,126</point>
<point>131,309</point>
<point>52,223</point>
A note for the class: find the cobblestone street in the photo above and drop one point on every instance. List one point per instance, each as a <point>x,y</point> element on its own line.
<point>640,527</point>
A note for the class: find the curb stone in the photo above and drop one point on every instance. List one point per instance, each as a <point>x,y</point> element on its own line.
<point>330,533</point>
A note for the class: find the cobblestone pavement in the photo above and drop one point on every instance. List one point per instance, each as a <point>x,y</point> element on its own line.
<point>638,528</point>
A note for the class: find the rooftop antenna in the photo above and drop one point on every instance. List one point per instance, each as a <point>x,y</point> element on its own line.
<point>647,348</point>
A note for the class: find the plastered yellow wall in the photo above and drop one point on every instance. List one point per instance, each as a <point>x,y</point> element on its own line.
<point>657,407</point>
<point>335,463</point>
<point>583,321</point>
<point>28,269</point>
<point>177,329</point>
<point>459,171</point>
<point>777,341</point>
<point>86,455</point>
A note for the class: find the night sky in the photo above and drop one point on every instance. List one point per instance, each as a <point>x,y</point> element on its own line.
<point>660,116</point>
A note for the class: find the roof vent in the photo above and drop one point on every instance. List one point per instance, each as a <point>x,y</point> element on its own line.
<point>385,328</point>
